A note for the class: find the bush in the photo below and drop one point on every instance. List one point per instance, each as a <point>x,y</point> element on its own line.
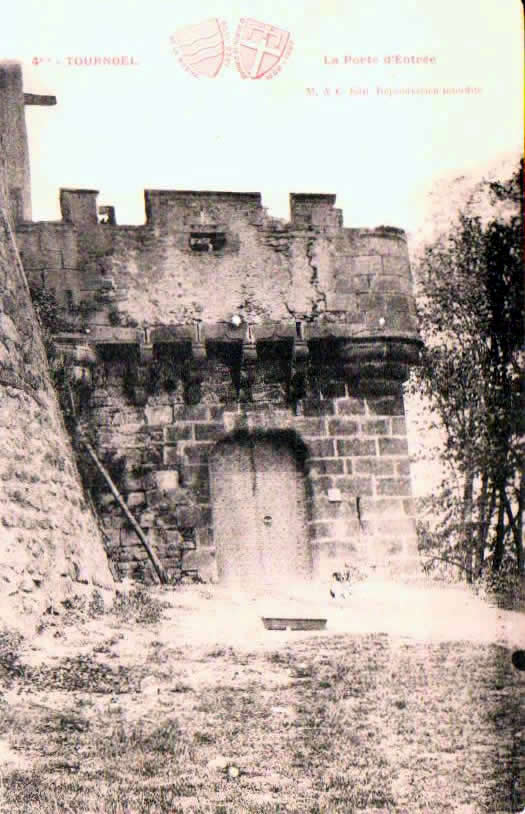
<point>10,666</point>
<point>138,606</point>
<point>504,588</point>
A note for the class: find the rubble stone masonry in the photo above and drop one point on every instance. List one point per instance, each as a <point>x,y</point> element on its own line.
<point>49,540</point>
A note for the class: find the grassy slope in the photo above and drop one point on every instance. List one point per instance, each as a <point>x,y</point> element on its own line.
<point>321,724</point>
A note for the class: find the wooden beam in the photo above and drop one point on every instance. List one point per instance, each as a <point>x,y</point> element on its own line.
<point>39,99</point>
<point>118,497</point>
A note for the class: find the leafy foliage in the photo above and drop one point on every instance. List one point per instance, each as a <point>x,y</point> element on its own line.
<point>49,314</point>
<point>10,665</point>
<point>470,308</point>
<point>139,607</point>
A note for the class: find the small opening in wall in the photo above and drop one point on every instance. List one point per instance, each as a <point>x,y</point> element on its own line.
<point>207,241</point>
<point>106,215</point>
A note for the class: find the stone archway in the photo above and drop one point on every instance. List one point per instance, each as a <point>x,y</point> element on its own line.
<point>259,510</point>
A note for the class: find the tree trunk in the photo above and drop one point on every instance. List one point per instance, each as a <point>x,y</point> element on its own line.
<point>466,523</point>
<point>516,527</point>
<point>483,526</point>
<point>521,500</point>
<point>499,548</point>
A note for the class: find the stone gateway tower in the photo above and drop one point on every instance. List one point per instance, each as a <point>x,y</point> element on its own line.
<point>241,378</point>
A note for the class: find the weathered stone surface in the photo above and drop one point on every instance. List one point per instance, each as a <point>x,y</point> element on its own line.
<point>340,426</point>
<point>351,406</point>
<point>386,405</point>
<point>393,486</point>
<point>326,466</point>
<point>355,486</point>
<point>354,447</point>
<point>393,446</point>
<point>374,427</point>
<point>40,490</point>
<point>321,448</point>
<point>399,426</point>
<point>375,466</point>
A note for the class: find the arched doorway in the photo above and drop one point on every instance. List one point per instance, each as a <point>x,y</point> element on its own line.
<point>259,510</point>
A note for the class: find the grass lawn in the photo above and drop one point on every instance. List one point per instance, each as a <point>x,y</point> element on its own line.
<point>122,717</point>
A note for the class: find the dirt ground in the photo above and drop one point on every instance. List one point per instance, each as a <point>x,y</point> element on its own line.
<point>407,701</point>
<point>203,615</point>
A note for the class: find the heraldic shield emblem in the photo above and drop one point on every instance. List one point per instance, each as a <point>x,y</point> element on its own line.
<point>260,49</point>
<point>201,48</point>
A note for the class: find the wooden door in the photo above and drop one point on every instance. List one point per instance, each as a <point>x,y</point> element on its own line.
<point>259,515</point>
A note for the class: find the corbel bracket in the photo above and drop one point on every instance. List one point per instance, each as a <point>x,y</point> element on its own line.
<point>248,367</point>
<point>298,370</point>
<point>195,369</point>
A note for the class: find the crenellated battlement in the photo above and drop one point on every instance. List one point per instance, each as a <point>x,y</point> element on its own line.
<point>180,208</point>
<point>309,268</point>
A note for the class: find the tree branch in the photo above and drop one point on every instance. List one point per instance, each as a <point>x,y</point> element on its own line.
<point>450,562</point>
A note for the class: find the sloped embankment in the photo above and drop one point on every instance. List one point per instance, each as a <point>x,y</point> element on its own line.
<point>49,539</point>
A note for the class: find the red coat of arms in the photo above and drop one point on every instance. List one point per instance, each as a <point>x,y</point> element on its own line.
<point>260,49</point>
<point>201,48</point>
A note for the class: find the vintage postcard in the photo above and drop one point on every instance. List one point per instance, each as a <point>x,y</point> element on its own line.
<point>261,419</point>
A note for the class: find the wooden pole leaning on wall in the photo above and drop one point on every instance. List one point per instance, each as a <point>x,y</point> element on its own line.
<point>159,570</point>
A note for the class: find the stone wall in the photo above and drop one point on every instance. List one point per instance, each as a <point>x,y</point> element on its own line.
<point>213,317</point>
<point>204,256</point>
<point>353,444</point>
<point>49,540</point>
